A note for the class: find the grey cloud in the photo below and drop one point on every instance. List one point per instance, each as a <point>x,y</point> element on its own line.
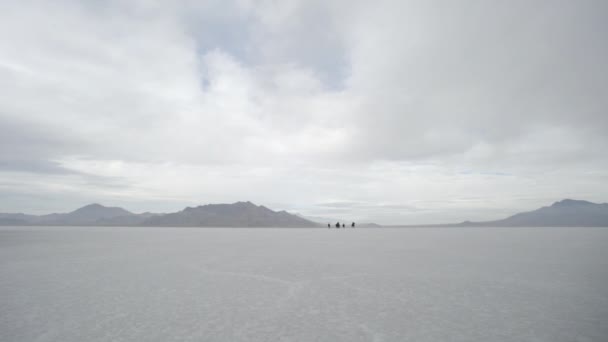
<point>386,105</point>
<point>33,166</point>
<point>363,205</point>
<point>306,34</point>
<point>31,147</point>
<point>480,72</point>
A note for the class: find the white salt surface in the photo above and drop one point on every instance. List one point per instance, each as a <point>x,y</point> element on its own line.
<point>176,284</point>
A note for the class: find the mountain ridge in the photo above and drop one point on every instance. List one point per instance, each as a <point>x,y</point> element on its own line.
<point>564,213</point>
<point>238,214</point>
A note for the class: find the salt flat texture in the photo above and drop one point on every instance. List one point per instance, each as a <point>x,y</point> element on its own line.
<point>189,284</point>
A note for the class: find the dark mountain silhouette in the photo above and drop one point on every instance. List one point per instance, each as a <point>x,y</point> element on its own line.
<point>565,213</point>
<point>240,214</point>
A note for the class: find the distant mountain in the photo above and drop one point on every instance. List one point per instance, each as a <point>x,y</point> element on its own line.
<point>15,219</point>
<point>125,220</point>
<point>239,214</point>
<point>565,213</point>
<point>92,214</point>
<point>369,225</point>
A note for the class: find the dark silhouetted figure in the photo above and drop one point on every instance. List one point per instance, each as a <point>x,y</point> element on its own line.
<point>343,225</point>
<point>328,225</point>
<point>352,224</point>
<point>338,225</point>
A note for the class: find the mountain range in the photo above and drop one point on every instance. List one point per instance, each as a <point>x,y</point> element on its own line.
<point>239,214</point>
<point>565,213</point>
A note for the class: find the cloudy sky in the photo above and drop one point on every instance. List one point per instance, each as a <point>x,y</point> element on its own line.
<point>385,111</point>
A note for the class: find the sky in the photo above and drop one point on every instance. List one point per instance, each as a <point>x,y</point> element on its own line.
<point>394,112</point>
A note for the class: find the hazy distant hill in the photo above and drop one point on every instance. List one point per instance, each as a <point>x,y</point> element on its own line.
<point>565,213</point>
<point>15,219</point>
<point>92,214</point>
<point>240,214</point>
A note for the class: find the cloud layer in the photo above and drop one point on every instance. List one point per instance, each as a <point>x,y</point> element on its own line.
<point>391,111</point>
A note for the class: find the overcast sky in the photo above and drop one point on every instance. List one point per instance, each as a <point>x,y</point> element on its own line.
<point>383,111</point>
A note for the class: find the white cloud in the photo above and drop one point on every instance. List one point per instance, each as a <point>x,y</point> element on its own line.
<point>459,111</point>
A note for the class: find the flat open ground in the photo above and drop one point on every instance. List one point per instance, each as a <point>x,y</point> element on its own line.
<point>201,284</point>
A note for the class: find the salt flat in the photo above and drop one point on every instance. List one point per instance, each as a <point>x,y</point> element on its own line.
<point>205,284</point>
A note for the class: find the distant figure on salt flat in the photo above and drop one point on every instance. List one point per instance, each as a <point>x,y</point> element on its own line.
<point>338,225</point>
<point>328,225</point>
<point>352,225</point>
<point>343,225</point>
